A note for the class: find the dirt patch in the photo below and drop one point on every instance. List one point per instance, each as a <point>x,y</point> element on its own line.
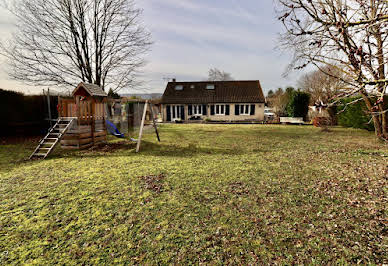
<point>372,153</point>
<point>154,182</point>
<point>339,151</point>
<point>238,188</point>
<point>112,147</point>
<point>326,129</point>
<point>386,173</point>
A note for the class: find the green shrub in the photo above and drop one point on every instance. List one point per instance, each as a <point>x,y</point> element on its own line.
<point>355,115</point>
<point>298,106</point>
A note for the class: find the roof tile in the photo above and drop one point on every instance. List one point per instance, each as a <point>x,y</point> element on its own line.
<point>224,92</point>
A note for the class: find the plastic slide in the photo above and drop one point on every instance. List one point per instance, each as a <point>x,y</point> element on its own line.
<point>113,129</point>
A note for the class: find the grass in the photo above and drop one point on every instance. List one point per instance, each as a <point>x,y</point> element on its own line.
<point>236,194</point>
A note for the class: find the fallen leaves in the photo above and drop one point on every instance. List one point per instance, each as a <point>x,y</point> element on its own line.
<point>154,182</point>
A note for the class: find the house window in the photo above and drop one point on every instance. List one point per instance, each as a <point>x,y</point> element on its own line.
<point>197,109</point>
<point>210,87</point>
<point>176,112</point>
<point>179,87</point>
<point>220,109</point>
<point>245,109</point>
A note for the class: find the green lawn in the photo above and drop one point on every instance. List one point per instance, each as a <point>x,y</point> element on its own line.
<point>239,194</point>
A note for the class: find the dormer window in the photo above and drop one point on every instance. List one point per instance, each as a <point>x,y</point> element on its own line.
<point>179,87</point>
<point>210,87</point>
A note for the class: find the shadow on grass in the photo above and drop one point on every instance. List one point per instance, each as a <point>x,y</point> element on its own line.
<point>148,148</point>
<point>161,149</point>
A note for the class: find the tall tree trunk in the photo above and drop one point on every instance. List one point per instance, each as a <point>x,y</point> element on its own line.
<point>376,118</point>
<point>384,123</point>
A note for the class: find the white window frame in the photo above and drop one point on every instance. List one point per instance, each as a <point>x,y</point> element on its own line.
<point>219,109</point>
<point>179,87</point>
<point>245,109</point>
<point>177,112</point>
<point>210,86</point>
<point>197,109</point>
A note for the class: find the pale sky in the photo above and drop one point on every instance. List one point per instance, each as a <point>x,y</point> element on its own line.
<point>192,36</point>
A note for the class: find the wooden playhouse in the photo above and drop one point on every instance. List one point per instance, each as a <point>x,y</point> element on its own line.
<point>82,121</point>
<point>87,107</point>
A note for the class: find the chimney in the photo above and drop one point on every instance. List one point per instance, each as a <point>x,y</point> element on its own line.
<point>173,80</point>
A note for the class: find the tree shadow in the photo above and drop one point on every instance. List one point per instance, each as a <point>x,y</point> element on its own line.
<point>174,150</point>
<point>147,148</point>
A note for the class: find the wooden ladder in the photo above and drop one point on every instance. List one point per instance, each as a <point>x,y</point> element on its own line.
<point>55,134</point>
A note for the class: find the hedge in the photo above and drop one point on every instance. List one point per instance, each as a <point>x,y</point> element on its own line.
<point>355,115</point>
<point>298,106</point>
<point>23,114</point>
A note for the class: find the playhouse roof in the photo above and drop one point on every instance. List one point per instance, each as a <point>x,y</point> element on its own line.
<point>92,89</point>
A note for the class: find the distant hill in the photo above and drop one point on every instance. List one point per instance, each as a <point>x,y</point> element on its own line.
<point>145,96</point>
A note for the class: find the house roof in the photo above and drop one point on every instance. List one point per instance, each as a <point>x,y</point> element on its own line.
<point>248,91</point>
<point>92,89</point>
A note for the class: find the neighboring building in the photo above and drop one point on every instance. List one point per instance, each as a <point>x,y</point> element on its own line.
<point>213,100</point>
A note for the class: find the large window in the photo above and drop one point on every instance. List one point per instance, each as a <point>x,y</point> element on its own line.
<point>197,109</point>
<point>220,109</point>
<point>245,109</point>
<point>176,111</point>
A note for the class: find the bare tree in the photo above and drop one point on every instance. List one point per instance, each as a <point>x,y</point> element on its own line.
<point>63,42</point>
<point>270,93</point>
<point>217,75</point>
<point>323,88</point>
<point>279,101</point>
<point>348,35</point>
